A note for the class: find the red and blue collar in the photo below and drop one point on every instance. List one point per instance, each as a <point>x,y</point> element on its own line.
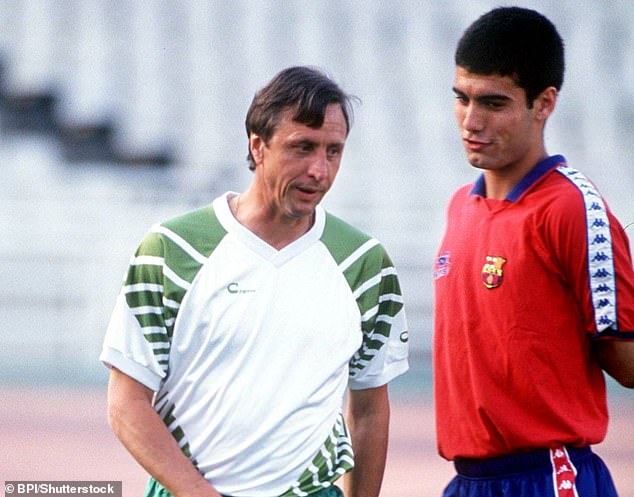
<point>534,175</point>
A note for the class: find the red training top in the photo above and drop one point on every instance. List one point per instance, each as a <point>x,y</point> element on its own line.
<point>522,287</point>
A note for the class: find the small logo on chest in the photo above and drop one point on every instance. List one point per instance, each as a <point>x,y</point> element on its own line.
<point>492,272</point>
<point>442,265</point>
<point>234,287</point>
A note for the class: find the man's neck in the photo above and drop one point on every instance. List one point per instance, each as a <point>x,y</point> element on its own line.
<point>500,182</point>
<point>276,230</point>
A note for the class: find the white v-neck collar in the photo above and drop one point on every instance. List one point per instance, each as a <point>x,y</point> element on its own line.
<point>259,246</point>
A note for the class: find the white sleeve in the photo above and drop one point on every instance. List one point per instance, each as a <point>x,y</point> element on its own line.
<point>126,348</point>
<point>390,360</point>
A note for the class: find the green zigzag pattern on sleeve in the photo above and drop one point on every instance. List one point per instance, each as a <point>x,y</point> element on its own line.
<point>160,274</point>
<point>162,271</point>
<point>372,279</point>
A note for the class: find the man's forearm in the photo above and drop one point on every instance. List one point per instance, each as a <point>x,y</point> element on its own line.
<point>368,421</point>
<point>146,437</point>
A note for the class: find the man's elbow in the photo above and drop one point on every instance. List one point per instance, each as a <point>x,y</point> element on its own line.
<point>616,358</point>
<point>115,414</point>
<point>127,399</point>
<point>621,371</point>
<point>624,378</point>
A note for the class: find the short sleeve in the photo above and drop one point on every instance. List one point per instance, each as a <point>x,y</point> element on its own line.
<point>126,348</point>
<point>137,340</point>
<point>593,250</point>
<point>383,354</point>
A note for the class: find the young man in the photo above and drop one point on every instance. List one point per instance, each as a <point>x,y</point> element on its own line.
<point>241,324</point>
<point>534,285</point>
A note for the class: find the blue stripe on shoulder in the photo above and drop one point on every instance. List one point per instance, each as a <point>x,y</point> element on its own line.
<point>600,257</point>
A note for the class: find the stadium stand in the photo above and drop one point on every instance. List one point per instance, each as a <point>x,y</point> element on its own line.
<point>115,115</point>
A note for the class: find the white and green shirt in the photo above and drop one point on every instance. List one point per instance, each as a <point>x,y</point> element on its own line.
<point>250,349</point>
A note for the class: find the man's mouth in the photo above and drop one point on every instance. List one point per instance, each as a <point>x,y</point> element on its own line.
<point>308,190</point>
<point>475,145</point>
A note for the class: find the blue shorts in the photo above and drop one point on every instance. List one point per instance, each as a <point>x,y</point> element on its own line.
<point>559,472</point>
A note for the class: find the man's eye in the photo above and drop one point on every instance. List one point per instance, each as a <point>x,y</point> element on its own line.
<point>334,151</point>
<point>494,104</point>
<point>304,147</point>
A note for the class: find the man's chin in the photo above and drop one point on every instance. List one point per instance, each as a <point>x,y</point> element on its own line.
<point>477,161</point>
<point>303,211</point>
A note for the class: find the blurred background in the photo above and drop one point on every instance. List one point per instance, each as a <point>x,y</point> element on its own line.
<point>117,114</point>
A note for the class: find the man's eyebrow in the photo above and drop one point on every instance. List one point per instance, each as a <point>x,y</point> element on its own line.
<point>492,96</point>
<point>486,97</point>
<point>302,140</point>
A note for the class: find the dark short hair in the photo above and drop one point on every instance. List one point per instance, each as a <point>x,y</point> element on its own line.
<point>307,90</point>
<point>516,42</point>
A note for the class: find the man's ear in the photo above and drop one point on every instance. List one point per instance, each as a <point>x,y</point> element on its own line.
<point>256,146</point>
<point>545,103</point>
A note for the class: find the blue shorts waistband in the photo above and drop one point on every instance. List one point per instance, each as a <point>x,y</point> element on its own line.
<point>514,463</point>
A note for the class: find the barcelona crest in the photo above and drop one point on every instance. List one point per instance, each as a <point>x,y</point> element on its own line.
<point>492,272</point>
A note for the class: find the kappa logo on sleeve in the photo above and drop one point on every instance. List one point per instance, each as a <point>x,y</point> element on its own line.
<point>492,272</point>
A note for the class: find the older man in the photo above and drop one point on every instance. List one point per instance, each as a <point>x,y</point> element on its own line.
<point>241,324</point>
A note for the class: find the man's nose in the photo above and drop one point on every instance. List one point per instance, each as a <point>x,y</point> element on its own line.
<point>318,166</point>
<point>471,118</point>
